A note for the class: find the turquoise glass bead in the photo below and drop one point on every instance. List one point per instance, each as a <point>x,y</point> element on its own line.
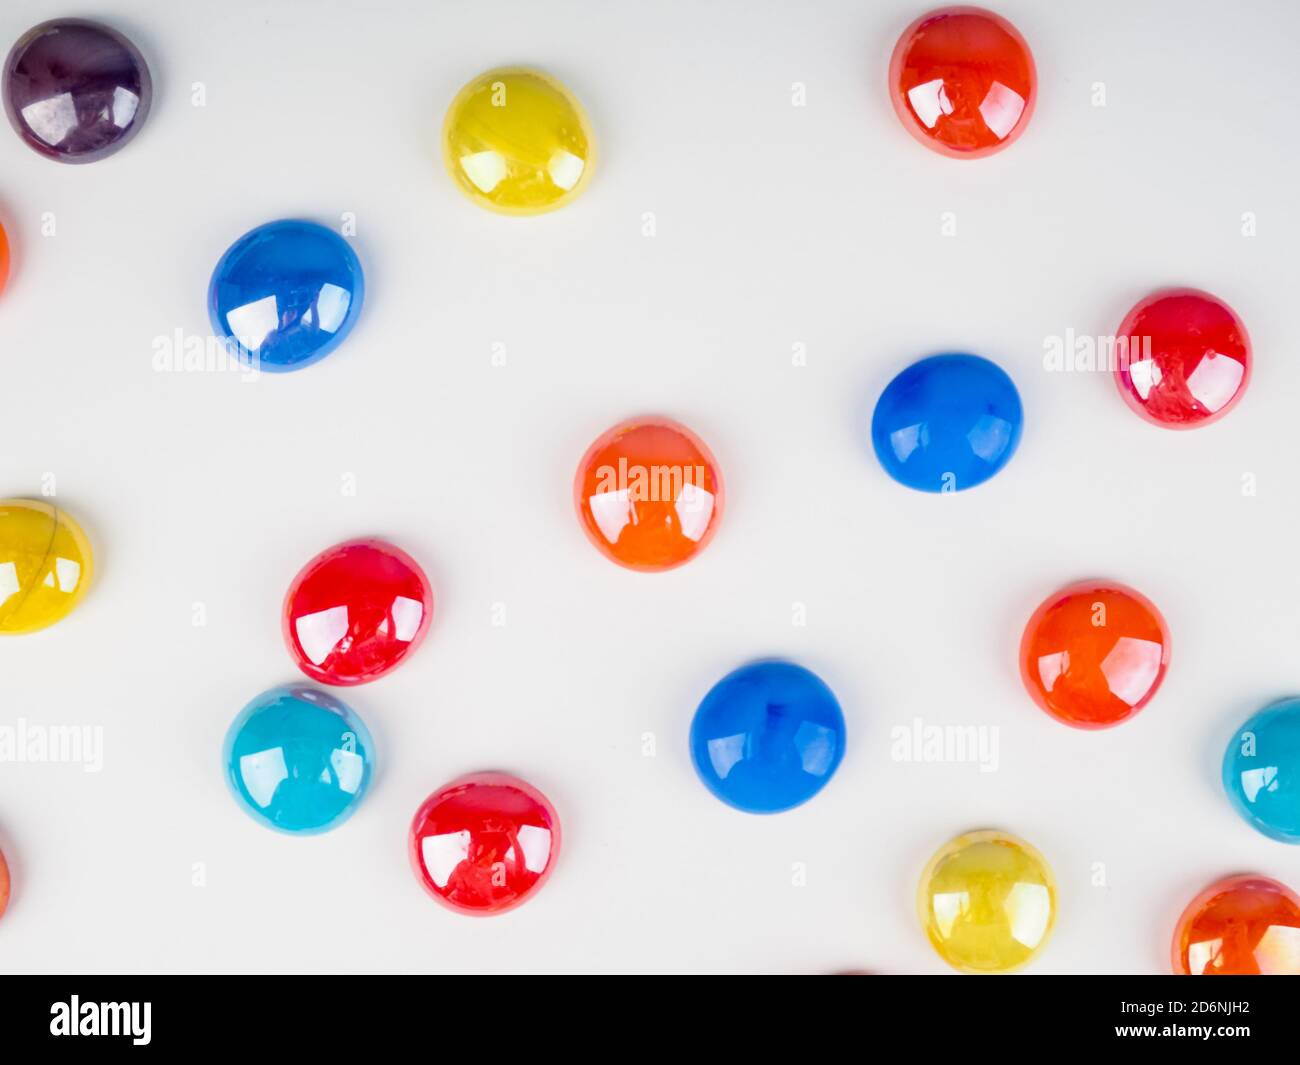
<point>947,422</point>
<point>286,294</point>
<point>298,759</point>
<point>1261,770</point>
<point>767,737</point>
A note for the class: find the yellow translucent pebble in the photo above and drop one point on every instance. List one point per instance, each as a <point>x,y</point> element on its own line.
<point>517,141</point>
<point>45,565</point>
<point>988,902</point>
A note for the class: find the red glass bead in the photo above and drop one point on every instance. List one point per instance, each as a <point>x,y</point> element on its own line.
<point>484,843</point>
<point>962,80</point>
<point>4,885</point>
<point>355,611</point>
<point>1182,358</point>
<point>1094,654</point>
<point>1242,926</point>
<point>649,494</point>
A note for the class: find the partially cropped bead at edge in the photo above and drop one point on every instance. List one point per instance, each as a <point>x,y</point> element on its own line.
<point>4,258</point>
<point>4,884</point>
<point>76,91</point>
<point>286,294</point>
<point>46,565</point>
<point>987,902</point>
<point>1241,926</point>
<point>962,81</point>
<point>517,141</point>
<point>1261,770</point>
<point>298,760</point>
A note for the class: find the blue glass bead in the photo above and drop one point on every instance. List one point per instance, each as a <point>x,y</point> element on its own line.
<point>767,737</point>
<point>946,423</point>
<point>286,294</point>
<point>298,759</point>
<point>1261,770</point>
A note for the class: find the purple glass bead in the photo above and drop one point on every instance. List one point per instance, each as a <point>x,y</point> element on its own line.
<point>75,90</point>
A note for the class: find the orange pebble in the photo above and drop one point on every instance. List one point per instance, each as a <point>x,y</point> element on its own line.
<point>649,494</point>
<point>1242,926</point>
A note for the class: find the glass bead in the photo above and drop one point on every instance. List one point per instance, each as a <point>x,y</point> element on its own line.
<point>1094,653</point>
<point>46,565</point>
<point>987,902</point>
<point>518,142</point>
<point>4,258</point>
<point>649,494</point>
<point>767,737</point>
<point>962,81</point>
<point>1261,770</point>
<point>286,294</point>
<point>75,90</point>
<point>1241,926</point>
<point>947,423</point>
<point>298,760</point>
<point>484,843</point>
<point>1183,358</point>
<point>355,611</point>
<point>4,884</point>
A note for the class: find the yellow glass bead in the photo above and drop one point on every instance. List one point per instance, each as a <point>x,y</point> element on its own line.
<point>517,141</point>
<point>988,902</point>
<point>45,565</point>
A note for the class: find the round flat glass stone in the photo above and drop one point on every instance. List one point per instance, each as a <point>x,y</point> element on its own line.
<point>45,565</point>
<point>947,423</point>
<point>1261,770</point>
<point>1241,926</point>
<point>484,843</point>
<point>286,294</point>
<point>4,884</point>
<point>355,611</point>
<point>4,258</point>
<point>75,90</point>
<point>767,737</point>
<point>649,494</point>
<point>1094,653</point>
<point>518,142</point>
<point>962,81</point>
<point>1183,358</point>
<point>987,902</point>
<point>298,760</point>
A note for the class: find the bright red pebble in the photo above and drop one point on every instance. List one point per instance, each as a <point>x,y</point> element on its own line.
<point>4,885</point>
<point>1094,654</point>
<point>484,843</point>
<point>962,79</point>
<point>1183,358</point>
<point>355,611</point>
<point>1242,926</point>
<point>649,494</point>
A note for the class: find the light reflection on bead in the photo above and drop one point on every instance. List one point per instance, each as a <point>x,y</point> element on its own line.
<point>1261,770</point>
<point>1241,926</point>
<point>987,902</point>
<point>517,141</point>
<point>46,565</point>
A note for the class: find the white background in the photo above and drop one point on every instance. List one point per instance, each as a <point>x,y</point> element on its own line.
<point>776,225</point>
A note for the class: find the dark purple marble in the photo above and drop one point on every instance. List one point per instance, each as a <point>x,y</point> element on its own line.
<point>75,90</point>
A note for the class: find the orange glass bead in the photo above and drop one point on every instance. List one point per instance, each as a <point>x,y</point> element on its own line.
<point>1242,926</point>
<point>1094,654</point>
<point>963,81</point>
<point>649,494</point>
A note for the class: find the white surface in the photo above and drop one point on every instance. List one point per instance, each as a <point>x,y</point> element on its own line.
<point>776,225</point>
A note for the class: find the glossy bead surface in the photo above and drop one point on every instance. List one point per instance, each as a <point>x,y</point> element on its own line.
<point>355,611</point>
<point>286,294</point>
<point>4,884</point>
<point>76,91</point>
<point>1241,926</point>
<point>517,141</point>
<point>946,423</point>
<point>298,759</point>
<point>4,258</point>
<point>962,81</point>
<point>767,737</point>
<point>649,494</point>
<point>987,902</point>
<point>484,843</point>
<point>1261,770</point>
<point>1094,653</point>
<point>45,565</point>
<point>1183,358</point>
